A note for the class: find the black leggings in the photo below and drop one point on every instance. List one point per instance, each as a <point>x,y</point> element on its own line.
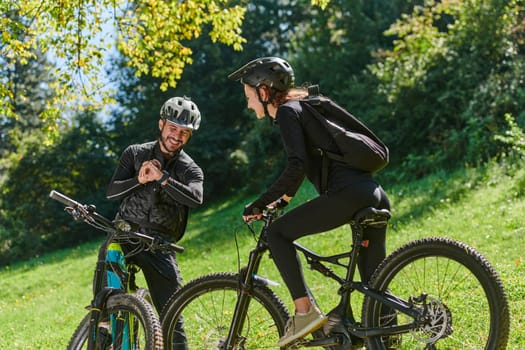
<point>324,213</point>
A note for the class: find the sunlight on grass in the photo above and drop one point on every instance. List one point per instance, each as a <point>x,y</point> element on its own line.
<point>42,301</point>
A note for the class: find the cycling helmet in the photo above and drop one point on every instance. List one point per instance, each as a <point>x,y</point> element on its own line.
<point>271,71</point>
<point>181,111</point>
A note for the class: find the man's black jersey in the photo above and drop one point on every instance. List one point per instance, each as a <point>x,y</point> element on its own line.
<point>152,206</point>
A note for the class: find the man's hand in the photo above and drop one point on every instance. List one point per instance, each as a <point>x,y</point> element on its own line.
<point>150,171</point>
<point>156,163</point>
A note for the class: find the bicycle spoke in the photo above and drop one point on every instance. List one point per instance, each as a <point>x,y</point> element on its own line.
<point>465,300</point>
<point>207,307</point>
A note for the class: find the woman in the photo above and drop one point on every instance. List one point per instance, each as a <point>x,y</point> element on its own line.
<point>268,85</point>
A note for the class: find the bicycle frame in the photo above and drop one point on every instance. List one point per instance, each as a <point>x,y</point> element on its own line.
<point>119,277</point>
<point>349,285</point>
<point>248,279</point>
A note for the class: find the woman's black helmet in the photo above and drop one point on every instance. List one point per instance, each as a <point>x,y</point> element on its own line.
<point>181,111</point>
<point>273,72</point>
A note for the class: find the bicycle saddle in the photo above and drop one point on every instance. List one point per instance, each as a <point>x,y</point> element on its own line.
<point>372,217</point>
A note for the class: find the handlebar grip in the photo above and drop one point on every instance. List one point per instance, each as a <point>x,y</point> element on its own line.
<point>62,198</point>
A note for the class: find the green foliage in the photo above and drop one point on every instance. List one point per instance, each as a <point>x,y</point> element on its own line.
<point>333,47</point>
<point>28,80</point>
<point>453,73</point>
<point>79,165</point>
<point>514,137</point>
<point>152,34</point>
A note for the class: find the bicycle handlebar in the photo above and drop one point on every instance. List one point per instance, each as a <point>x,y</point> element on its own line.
<point>87,214</point>
<point>68,202</point>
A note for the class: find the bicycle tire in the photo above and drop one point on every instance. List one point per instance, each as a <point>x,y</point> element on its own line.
<point>145,294</point>
<point>146,335</point>
<point>467,298</point>
<point>206,306</point>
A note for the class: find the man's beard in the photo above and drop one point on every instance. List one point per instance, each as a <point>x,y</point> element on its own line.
<point>169,148</point>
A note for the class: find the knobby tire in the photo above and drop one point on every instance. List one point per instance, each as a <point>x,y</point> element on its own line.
<point>206,306</point>
<point>462,287</point>
<point>147,332</point>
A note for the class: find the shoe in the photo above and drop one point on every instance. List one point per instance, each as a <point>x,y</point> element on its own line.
<point>299,326</point>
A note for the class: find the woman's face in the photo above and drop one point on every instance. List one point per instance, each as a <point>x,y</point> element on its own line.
<point>252,100</point>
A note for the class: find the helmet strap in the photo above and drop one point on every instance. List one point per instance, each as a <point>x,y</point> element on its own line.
<point>264,103</point>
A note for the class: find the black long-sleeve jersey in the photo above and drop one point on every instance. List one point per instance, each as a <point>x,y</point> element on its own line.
<point>160,208</point>
<point>302,136</point>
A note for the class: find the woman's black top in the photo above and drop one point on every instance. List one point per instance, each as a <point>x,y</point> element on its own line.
<point>302,136</point>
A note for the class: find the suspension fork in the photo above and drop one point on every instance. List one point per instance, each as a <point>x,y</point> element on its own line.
<point>246,285</point>
<point>243,299</point>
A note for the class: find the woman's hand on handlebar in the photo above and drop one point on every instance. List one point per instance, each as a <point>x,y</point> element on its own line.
<point>251,218</point>
<point>252,212</point>
<point>280,203</point>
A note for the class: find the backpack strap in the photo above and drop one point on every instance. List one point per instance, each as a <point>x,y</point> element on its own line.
<point>325,156</point>
<point>311,101</point>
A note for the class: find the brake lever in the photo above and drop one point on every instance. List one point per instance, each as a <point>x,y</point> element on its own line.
<point>77,213</point>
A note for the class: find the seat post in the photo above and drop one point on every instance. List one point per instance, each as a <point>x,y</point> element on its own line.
<point>367,217</point>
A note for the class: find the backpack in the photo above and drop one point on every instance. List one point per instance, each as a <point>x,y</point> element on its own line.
<point>358,146</point>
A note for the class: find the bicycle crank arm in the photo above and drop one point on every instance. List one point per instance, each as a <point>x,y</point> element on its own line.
<point>385,331</point>
<point>330,341</point>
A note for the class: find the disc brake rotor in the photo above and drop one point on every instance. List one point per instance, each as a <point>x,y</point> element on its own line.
<point>438,324</point>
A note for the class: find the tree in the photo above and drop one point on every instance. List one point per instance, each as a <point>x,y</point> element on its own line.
<point>29,84</point>
<point>447,81</point>
<point>79,164</point>
<point>333,47</point>
<point>152,34</point>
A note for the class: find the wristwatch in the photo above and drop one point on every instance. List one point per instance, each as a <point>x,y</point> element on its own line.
<point>165,175</point>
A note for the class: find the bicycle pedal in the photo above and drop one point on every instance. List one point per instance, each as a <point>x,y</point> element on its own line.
<point>329,341</point>
<point>296,344</point>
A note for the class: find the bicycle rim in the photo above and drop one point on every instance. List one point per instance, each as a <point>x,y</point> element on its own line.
<point>207,305</point>
<point>468,307</point>
<point>131,324</point>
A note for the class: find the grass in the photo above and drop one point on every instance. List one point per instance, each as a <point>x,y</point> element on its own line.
<point>42,300</point>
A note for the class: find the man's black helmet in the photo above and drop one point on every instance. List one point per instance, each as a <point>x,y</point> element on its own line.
<point>273,72</point>
<point>181,111</point>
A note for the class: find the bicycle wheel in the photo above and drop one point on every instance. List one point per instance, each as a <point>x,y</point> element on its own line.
<point>144,294</point>
<point>133,325</point>
<point>466,300</point>
<point>206,306</point>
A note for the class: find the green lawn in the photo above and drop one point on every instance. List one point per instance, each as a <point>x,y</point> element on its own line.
<point>42,300</point>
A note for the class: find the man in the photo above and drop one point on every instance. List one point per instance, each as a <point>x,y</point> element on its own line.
<point>157,183</point>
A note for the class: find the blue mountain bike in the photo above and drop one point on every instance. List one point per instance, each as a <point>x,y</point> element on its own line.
<point>120,316</point>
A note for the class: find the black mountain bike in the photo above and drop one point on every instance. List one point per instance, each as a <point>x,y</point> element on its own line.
<point>432,293</point>
<point>120,315</point>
